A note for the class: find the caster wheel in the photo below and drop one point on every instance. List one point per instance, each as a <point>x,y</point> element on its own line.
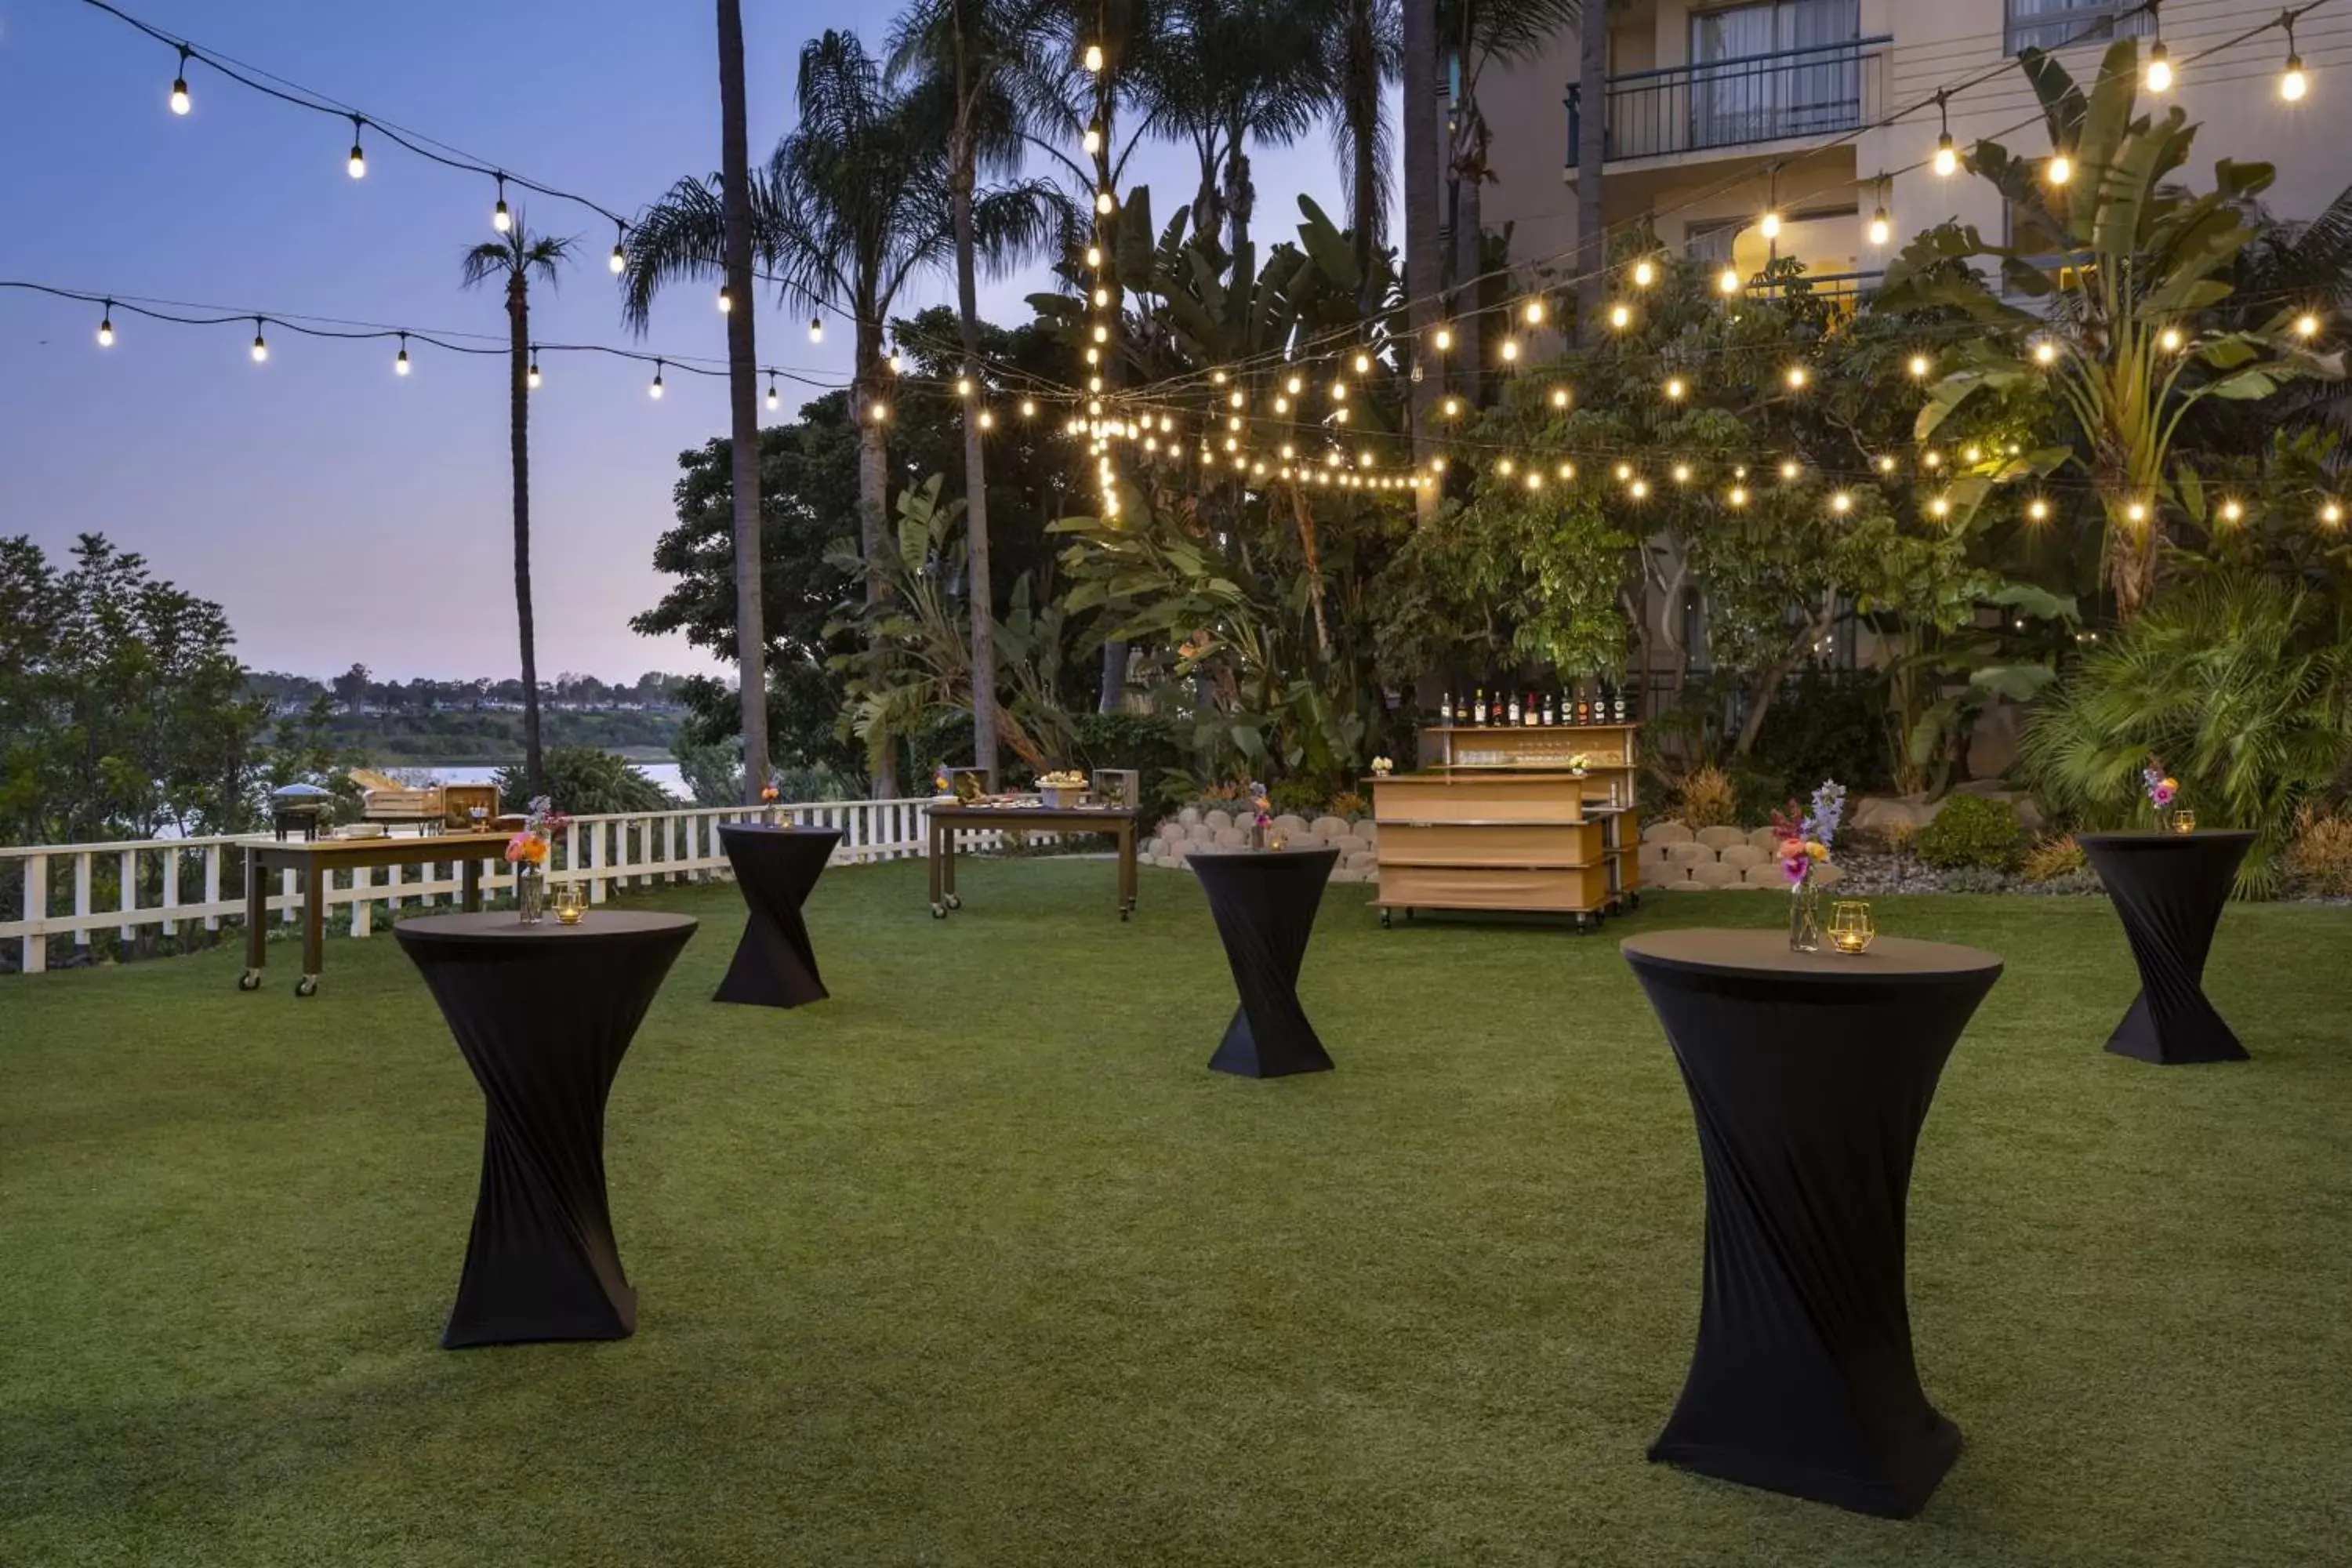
<point>1633,900</point>
<point>307,986</point>
<point>249,981</point>
<point>1125,914</point>
<point>954,902</point>
<point>1384,920</point>
<point>939,911</point>
<point>1407,914</point>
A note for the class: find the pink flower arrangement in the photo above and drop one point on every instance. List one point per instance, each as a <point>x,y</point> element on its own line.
<point>2162,788</point>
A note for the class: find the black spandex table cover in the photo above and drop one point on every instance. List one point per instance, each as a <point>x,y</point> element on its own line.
<point>1809,1075</point>
<point>1264,903</point>
<point>2168,890</point>
<point>543,1015</point>
<point>774,965</point>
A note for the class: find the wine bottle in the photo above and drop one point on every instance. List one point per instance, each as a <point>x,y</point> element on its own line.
<point>1584,710</point>
<point>1617,706</point>
<point>1514,709</point>
<point>1445,709</point>
<point>1480,712</point>
<point>1551,714</point>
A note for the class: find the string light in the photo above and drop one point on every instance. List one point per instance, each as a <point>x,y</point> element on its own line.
<point>180,104</point>
<point>1535,312</point>
<point>1094,256</point>
<point>2038,510</point>
<point>2331,514</point>
<point>532,378</point>
<point>896,360</point>
<point>1931,459</point>
<point>1452,408</point>
<point>618,262</point>
<point>1624,472</point>
<point>1103,203</point>
<point>2231,510</point>
<point>2307,325</point>
<point>2059,169</point>
<point>1940,506</point>
<point>106,327</point>
<point>1511,350</point>
<point>1535,480</point>
<point>655,391</point>
<point>1442,340</point>
<point>1790,470</point>
<point>1294,386</point>
<point>987,419</point>
<point>1639,490</point>
<point>1503,467</point>
<point>1886,464</point>
<point>773,400</point>
<point>2158,75</point>
<point>1728,281</point>
<point>1560,397</point>
<point>2045,352</point>
<point>502,219</point>
<point>1028,408</point>
<point>963,389</point>
<point>1682,472</point>
<point>1769,223</point>
<point>1363,362</point>
<point>260,349</point>
<point>1338,391</point>
<point>726,301</point>
<point>1091,143</point>
<point>1646,272</point>
<point>357,165</point>
<point>2136,511</point>
<point>1621,317</point>
<point>1567,472</point>
<point>400,360</point>
<point>1948,157</point>
<point>1675,389</point>
<point>1737,495</point>
<point>1095,58</point>
<point>1797,378</point>
<point>1102,297</point>
<point>2293,83</point>
<point>2168,340</point>
<point>1881,230</point>
<point>1920,367</point>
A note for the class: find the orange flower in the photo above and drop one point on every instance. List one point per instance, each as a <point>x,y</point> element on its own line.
<point>1817,850</point>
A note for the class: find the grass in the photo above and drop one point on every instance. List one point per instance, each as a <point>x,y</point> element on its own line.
<point>976,1263</point>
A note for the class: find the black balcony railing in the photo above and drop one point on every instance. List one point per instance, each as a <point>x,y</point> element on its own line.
<point>1814,91</point>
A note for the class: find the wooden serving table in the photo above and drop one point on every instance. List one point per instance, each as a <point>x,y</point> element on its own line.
<point>316,858</point>
<point>1503,838</point>
<point>947,821</point>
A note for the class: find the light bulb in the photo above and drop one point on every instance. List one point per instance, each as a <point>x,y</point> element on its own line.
<point>531,380</point>
<point>987,419</point>
<point>2159,68</point>
<point>1770,224</point>
<point>1675,389</point>
<point>180,95</point>
<point>2331,514</point>
<point>1503,467</point>
<point>260,349</point>
<point>772,399</point>
<point>1028,408</point>
<point>1620,317</point>
<point>896,362</point>
<point>1560,397</point>
<point>1682,472</point>
<point>1281,404</point>
<point>1103,202</point>
<point>1091,143</point>
<point>1886,464</point>
<point>1737,495</point>
<point>502,219</point>
<point>655,391</point>
<point>2136,511</point>
<point>1841,503</point>
<point>1094,57</point>
<point>2307,325</point>
<point>1510,350</point>
<point>1948,157</point>
<point>1567,472</point>
<point>1535,480</point>
<point>1727,281</point>
<point>357,165</point>
<point>2168,340</point>
<point>1880,229</point>
<point>1453,408</point>
<point>2038,510</point>
<point>1102,333</point>
<point>400,361</point>
<point>1645,273</point>
<point>1442,340</point>
<point>1797,378</point>
<point>2045,352</point>
<point>1790,470</point>
<point>2232,511</point>
<point>2059,169</point>
<point>726,301</point>
<point>1217,378</point>
<point>616,261</point>
<point>1940,506</point>
<point>1638,489</point>
<point>1102,297</point>
<point>2294,84</point>
<point>816,329</point>
<point>963,387</point>
<point>1338,391</point>
<point>106,329</point>
<point>1363,362</point>
<point>1094,256</point>
<point>1535,312</point>
<point>1920,367</point>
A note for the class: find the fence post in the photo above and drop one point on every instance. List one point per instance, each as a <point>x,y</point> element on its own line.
<point>212,883</point>
<point>595,862</point>
<point>171,888</point>
<point>36,913</point>
<point>81,897</point>
<point>363,913</point>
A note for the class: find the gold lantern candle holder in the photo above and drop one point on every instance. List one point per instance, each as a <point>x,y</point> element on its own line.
<point>571,902</point>
<point>2184,821</point>
<point>1851,927</point>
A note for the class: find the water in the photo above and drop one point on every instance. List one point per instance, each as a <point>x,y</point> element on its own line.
<point>666,775</point>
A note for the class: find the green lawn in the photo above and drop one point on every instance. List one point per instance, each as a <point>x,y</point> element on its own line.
<point>977,1263</point>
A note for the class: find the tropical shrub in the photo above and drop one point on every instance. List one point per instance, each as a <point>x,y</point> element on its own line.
<point>2319,856</point>
<point>1975,880</point>
<point>1706,797</point>
<point>1298,797</point>
<point>2052,858</point>
<point>2241,684</point>
<point>586,781</point>
<point>2081,882</point>
<point>1973,831</point>
<point>1351,804</point>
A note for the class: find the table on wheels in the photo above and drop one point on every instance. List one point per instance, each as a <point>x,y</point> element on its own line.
<point>1263,901</point>
<point>315,858</point>
<point>543,1015</point>
<point>2168,890</point>
<point>1809,1076</point>
<point>947,821</point>
<point>775,967</point>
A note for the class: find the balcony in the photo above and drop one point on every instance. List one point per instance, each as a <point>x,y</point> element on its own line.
<point>1823,90</point>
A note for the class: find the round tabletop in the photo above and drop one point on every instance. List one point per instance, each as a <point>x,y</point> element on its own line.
<point>782,829</point>
<point>2152,840</point>
<point>1766,955</point>
<point>501,926</point>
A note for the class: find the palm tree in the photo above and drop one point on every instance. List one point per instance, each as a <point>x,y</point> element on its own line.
<point>743,399</point>
<point>1362,53</point>
<point>967,55</point>
<point>1253,71</point>
<point>1424,267</point>
<point>848,208</point>
<point>514,257</point>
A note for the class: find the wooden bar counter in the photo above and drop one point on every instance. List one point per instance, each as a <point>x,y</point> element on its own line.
<point>1501,823</point>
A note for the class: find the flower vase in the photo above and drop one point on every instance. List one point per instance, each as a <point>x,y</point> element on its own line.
<point>530,895</point>
<point>2163,819</point>
<point>1257,835</point>
<point>1804,916</point>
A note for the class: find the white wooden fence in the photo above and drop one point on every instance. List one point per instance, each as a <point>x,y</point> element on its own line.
<point>201,881</point>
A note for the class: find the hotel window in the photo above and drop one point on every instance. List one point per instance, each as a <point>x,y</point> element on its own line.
<point>1761,72</point>
<point>2055,23</point>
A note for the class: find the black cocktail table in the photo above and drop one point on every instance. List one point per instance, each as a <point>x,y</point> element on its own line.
<point>775,967</point>
<point>543,1015</point>
<point>1809,1075</point>
<point>2168,890</point>
<point>1264,902</point>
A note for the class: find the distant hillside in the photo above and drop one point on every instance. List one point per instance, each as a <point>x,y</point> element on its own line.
<point>490,736</point>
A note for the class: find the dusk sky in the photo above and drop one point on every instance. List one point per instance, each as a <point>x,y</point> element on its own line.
<point>340,514</point>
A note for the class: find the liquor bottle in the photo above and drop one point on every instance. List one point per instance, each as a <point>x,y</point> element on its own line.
<point>1566,706</point>
<point>1551,714</point>
<point>1514,709</point>
<point>1445,711</point>
<point>1478,713</point>
<point>1617,705</point>
<point>1584,710</point>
